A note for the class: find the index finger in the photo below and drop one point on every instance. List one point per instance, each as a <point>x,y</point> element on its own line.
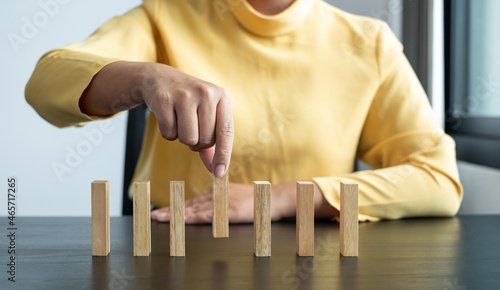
<point>224,136</point>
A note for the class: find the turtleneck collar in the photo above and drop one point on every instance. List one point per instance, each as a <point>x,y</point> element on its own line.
<point>271,25</point>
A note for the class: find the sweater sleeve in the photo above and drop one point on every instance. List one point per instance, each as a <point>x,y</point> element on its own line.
<point>62,75</point>
<point>415,172</point>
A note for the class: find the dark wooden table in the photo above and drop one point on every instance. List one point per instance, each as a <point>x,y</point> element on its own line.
<point>451,254</point>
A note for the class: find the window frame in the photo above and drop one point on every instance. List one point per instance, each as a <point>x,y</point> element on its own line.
<point>477,138</point>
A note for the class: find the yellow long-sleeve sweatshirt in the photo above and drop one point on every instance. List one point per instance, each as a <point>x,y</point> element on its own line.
<point>311,88</point>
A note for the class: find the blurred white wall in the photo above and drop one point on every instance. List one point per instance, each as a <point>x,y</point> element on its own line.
<point>30,147</point>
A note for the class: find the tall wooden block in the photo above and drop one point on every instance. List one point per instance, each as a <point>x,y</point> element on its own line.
<point>100,218</point>
<point>177,222</point>
<point>142,219</point>
<point>262,218</point>
<point>349,229</point>
<point>305,218</point>
<point>220,220</point>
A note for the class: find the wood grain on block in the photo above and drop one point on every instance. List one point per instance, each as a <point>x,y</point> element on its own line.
<point>262,218</point>
<point>220,219</point>
<point>177,222</point>
<point>305,218</point>
<point>349,230</point>
<point>100,218</point>
<point>142,219</point>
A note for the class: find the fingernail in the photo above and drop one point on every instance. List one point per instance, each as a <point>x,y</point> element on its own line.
<point>162,215</point>
<point>219,170</point>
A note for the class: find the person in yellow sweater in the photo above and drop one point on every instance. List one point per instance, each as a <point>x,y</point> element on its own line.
<point>285,90</point>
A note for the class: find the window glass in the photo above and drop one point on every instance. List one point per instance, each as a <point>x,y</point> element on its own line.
<point>483,76</point>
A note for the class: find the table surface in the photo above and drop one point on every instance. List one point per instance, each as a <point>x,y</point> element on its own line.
<point>452,254</point>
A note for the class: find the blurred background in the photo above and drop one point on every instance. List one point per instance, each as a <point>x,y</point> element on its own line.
<point>453,46</point>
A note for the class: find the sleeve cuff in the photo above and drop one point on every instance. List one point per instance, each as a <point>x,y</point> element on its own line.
<point>330,187</point>
<point>56,98</point>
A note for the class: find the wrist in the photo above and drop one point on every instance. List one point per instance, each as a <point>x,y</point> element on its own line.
<point>283,200</point>
<point>117,87</point>
<point>322,208</point>
<point>140,81</point>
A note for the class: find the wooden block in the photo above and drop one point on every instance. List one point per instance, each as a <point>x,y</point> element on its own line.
<point>177,222</point>
<point>349,229</point>
<point>142,219</point>
<point>220,220</point>
<point>305,218</point>
<point>262,218</point>
<point>100,218</point>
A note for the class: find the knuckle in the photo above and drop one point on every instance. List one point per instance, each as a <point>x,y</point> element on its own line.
<point>206,142</point>
<point>165,103</point>
<point>226,129</point>
<point>202,145</point>
<point>204,92</point>
<point>223,93</point>
<point>183,92</point>
<point>167,133</point>
<point>197,147</point>
<point>182,96</point>
<point>170,135</point>
<point>189,140</point>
